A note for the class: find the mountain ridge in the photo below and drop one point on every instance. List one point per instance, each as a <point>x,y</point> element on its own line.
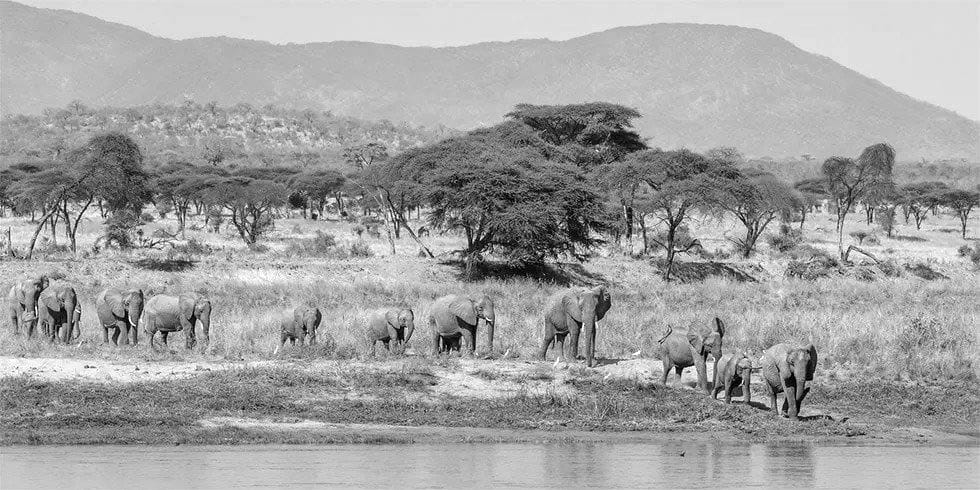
<point>697,85</point>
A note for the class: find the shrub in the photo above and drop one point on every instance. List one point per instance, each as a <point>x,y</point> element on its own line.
<point>787,239</point>
<point>360,249</point>
<point>192,247</point>
<point>323,244</point>
<point>860,235</point>
<point>972,253</point>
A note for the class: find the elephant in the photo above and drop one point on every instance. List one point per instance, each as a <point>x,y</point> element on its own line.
<point>120,311</point>
<point>786,368</point>
<point>455,316</point>
<point>680,350</point>
<point>300,323</point>
<point>734,369</point>
<point>58,313</point>
<point>22,302</point>
<point>164,313</point>
<point>392,325</point>
<point>568,312</point>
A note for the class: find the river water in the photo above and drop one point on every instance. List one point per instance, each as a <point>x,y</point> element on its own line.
<point>603,465</point>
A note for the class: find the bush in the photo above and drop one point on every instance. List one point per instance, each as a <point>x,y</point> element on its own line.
<point>360,249</point>
<point>323,244</point>
<point>860,236</point>
<point>120,228</point>
<point>192,247</point>
<point>973,253</point>
<point>787,239</point>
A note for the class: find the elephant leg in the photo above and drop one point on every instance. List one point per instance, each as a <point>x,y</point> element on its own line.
<point>715,391</point>
<point>747,390</point>
<point>105,334</point>
<point>187,325</point>
<point>436,343</point>
<point>667,367</point>
<point>163,337</point>
<point>574,331</point>
<point>701,368</point>
<point>153,334</point>
<point>387,347</point>
<point>123,332</point>
<point>67,331</point>
<point>560,346</point>
<point>729,383</point>
<point>14,319</point>
<point>549,336</point>
<point>772,402</point>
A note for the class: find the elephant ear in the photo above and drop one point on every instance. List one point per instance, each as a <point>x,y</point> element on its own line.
<point>569,303</point>
<point>812,365</point>
<point>696,341</point>
<point>391,316</point>
<point>187,304</point>
<point>115,304</point>
<point>719,326</point>
<point>464,310</point>
<point>605,302</point>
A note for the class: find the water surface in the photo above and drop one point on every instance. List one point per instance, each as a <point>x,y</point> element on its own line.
<point>603,465</point>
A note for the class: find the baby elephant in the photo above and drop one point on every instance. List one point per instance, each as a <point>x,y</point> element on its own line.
<point>787,368</point>
<point>300,323</point>
<point>391,325</point>
<point>734,370</point>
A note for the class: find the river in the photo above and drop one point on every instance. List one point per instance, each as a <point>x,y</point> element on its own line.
<point>605,465</point>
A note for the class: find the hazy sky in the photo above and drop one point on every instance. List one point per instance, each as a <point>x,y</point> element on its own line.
<point>929,50</point>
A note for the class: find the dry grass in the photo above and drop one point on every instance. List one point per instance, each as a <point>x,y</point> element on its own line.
<point>897,327</point>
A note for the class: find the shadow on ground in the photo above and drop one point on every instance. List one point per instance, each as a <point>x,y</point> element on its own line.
<point>562,274</point>
<point>164,265</point>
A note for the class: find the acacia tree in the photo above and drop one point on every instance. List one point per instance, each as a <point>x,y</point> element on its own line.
<point>962,203</point>
<point>315,187</point>
<point>755,199</point>
<point>251,203</point>
<point>590,135</point>
<point>812,192</point>
<point>679,182</point>
<point>849,180</point>
<point>921,198</point>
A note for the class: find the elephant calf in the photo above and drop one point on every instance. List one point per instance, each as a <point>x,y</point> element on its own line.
<point>395,325</point>
<point>786,369</point>
<point>298,324</point>
<point>120,312</point>
<point>58,313</point>
<point>679,350</point>
<point>570,312</point>
<point>164,313</point>
<point>734,370</point>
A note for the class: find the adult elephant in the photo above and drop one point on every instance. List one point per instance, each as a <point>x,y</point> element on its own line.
<point>299,323</point>
<point>452,317</point>
<point>679,350</point>
<point>120,311</point>
<point>22,302</point>
<point>786,369</point>
<point>164,313</point>
<point>570,312</point>
<point>394,325</point>
<point>58,313</point>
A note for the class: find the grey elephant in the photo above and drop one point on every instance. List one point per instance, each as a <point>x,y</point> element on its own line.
<point>734,369</point>
<point>299,323</point>
<point>164,313</point>
<point>394,325</point>
<point>571,312</point>
<point>22,302</point>
<point>452,317</point>
<point>786,369</point>
<point>120,311</point>
<point>59,313</point>
<point>679,350</point>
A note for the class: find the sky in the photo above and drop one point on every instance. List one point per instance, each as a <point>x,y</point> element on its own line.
<point>928,50</point>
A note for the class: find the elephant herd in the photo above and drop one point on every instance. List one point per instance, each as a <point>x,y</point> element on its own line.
<point>57,311</point>
<point>453,319</point>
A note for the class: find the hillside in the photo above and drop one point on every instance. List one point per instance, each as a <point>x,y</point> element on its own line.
<point>698,86</point>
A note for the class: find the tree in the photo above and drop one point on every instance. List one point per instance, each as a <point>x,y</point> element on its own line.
<point>215,149</point>
<point>849,180</point>
<point>680,182</point>
<point>361,156</point>
<point>316,186</point>
<point>812,192</point>
<point>921,198</point>
<point>755,199</point>
<point>251,203</point>
<point>962,203</point>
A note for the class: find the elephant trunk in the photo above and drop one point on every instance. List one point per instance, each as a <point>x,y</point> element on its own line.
<point>588,325</point>
<point>29,318</point>
<point>73,313</point>
<point>205,319</point>
<point>747,386</point>
<point>799,372</point>
<point>133,313</point>
<point>490,327</point>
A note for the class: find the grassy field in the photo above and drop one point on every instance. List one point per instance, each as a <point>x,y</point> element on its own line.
<point>905,333</point>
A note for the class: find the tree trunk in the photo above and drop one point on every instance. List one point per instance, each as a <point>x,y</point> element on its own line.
<point>10,244</point>
<point>37,231</point>
<point>643,229</point>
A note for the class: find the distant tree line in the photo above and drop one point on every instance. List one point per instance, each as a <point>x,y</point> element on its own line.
<point>547,183</point>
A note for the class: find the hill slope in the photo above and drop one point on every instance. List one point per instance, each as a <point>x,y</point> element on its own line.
<point>698,86</point>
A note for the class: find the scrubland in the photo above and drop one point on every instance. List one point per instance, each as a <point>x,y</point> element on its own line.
<point>893,350</point>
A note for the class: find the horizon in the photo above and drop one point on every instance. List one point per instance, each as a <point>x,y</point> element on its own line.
<point>939,40</point>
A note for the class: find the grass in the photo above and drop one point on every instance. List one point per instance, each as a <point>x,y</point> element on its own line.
<point>37,412</point>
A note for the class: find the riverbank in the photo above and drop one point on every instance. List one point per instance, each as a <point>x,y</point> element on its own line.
<point>415,399</point>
